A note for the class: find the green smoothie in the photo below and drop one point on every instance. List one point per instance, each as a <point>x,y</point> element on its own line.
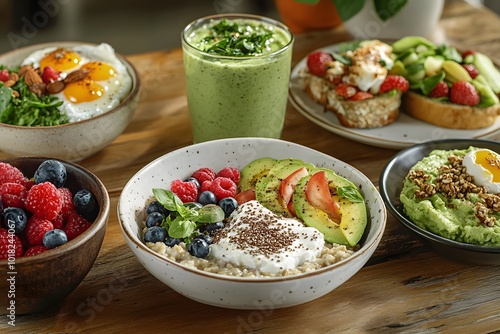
<point>237,75</point>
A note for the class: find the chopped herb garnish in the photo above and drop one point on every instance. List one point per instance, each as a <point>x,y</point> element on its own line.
<point>229,38</point>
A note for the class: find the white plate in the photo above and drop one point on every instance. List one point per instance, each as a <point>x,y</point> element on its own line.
<point>404,132</point>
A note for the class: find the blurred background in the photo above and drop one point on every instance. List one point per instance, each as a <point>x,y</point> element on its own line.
<point>130,26</point>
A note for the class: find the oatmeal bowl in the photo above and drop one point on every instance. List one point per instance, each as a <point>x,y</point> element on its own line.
<point>447,192</point>
<point>246,223</point>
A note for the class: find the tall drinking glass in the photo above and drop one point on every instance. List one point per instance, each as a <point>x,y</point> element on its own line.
<point>237,75</point>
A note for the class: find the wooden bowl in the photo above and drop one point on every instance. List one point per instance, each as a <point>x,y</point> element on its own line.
<point>34,283</point>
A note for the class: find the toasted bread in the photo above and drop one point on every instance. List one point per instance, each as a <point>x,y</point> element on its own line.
<point>375,112</point>
<point>448,115</point>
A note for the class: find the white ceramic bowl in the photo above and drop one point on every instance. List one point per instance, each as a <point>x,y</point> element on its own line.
<point>242,293</point>
<point>72,141</point>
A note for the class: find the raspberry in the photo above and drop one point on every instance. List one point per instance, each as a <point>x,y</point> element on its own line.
<point>4,75</point>
<point>36,229</point>
<point>27,183</point>
<point>9,173</point>
<point>471,69</point>
<point>13,195</point>
<point>44,200</point>
<point>49,75</point>
<point>464,93</point>
<point>9,241</point>
<point>186,191</point>
<point>441,90</point>
<point>345,90</point>
<point>394,82</point>
<point>34,250</point>
<point>76,225</point>
<point>361,95</point>
<point>231,173</point>
<point>66,200</point>
<point>317,62</point>
<point>223,187</point>
<point>205,186</point>
<point>204,174</point>
<point>58,222</point>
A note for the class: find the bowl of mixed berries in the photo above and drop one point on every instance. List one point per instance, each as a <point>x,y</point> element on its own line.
<point>53,220</point>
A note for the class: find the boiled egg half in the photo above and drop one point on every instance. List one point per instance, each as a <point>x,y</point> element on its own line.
<point>484,166</point>
<point>105,86</point>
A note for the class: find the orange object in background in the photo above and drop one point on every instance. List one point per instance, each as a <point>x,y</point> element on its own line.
<point>301,17</point>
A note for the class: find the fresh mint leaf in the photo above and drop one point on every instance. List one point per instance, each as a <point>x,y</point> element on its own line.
<point>347,9</point>
<point>350,193</point>
<point>172,202</point>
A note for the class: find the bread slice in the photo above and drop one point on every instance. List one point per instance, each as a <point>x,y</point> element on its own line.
<point>448,115</point>
<point>370,113</point>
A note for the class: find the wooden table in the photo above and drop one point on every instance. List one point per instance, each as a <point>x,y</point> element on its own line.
<point>405,287</point>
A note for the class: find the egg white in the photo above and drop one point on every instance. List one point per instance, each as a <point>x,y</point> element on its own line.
<point>116,88</point>
<point>482,176</point>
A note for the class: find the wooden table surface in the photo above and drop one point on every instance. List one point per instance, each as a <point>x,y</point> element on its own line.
<point>404,288</point>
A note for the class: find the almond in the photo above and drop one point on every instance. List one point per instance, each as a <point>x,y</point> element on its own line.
<point>32,78</point>
<point>23,69</point>
<point>14,76</point>
<point>76,76</point>
<point>38,89</point>
<point>9,83</point>
<point>55,87</point>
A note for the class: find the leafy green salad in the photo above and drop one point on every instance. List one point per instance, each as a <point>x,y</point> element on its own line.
<point>20,106</point>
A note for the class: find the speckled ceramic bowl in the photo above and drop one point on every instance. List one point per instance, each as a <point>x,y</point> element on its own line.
<point>72,141</point>
<point>44,280</point>
<point>242,293</point>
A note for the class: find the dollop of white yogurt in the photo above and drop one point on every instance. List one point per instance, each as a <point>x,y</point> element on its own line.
<point>257,238</point>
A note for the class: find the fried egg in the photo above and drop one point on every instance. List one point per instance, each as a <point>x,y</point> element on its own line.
<point>105,86</point>
<point>484,166</point>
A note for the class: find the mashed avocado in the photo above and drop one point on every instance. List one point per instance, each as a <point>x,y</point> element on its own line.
<point>429,202</point>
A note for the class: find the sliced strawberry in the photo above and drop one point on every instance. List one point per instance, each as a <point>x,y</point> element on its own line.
<point>393,81</point>
<point>464,93</point>
<point>471,69</point>
<point>467,53</point>
<point>317,62</point>
<point>361,95</point>
<point>318,195</point>
<point>345,90</point>
<point>4,75</point>
<point>441,90</point>
<point>287,186</point>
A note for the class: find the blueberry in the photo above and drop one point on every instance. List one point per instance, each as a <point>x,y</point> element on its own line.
<point>212,227</point>
<point>195,181</point>
<point>86,204</point>
<point>154,219</point>
<point>171,242</point>
<point>206,237</point>
<point>155,206</point>
<point>228,205</point>
<point>198,247</point>
<point>155,234</point>
<point>51,171</point>
<point>207,197</point>
<point>15,218</point>
<point>54,238</point>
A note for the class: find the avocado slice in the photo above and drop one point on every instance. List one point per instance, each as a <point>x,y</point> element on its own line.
<point>278,164</point>
<point>354,215</point>
<point>268,193</point>
<point>486,67</point>
<point>253,172</point>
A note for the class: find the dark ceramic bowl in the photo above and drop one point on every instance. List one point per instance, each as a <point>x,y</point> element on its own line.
<point>43,280</point>
<point>391,183</point>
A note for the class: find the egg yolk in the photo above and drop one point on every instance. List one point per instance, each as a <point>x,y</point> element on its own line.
<point>99,71</point>
<point>490,161</point>
<point>61,60</point>
<point>85,90</point>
